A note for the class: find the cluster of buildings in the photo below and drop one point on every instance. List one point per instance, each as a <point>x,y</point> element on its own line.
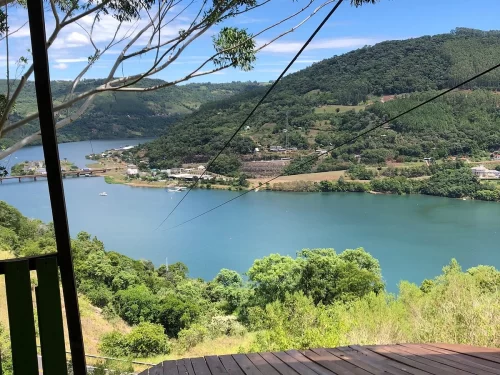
<point>35,167</point>
<point>173,173</point>
<point>280,149</point>
<point>483,172</point>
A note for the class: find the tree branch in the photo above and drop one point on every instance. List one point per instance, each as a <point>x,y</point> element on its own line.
<point>83,14</point>
<point>37,135</point>
<point>22,82</point>
<point>54,12</point>
<point>124,84</point>
<point>13,32</point>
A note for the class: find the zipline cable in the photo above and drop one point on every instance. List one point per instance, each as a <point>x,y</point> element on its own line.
<point>320,26</point>
<point>363,133</point>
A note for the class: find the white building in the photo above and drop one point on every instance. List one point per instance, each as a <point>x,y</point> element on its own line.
<point>183,176</point>
<point>201,168</point>
<point>483,172</point>
<point>132,171</point>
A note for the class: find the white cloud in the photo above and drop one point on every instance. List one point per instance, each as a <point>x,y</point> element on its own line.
<point>187,62</point>
<point>337,43</point>
<point>206,71</point>
<point>60,66</point>
<point>77,39</point>
<point>21,33</point>
<point>250,20</point>
<point>3,62</point>
<point>72,40</point>
<point>306,61</point>
<point>74,60</point>
<point>105,29</point>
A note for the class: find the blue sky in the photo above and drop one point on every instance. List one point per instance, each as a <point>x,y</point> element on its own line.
<point>349,28</point>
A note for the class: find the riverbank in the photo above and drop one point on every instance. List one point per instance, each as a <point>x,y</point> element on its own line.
<point>463,186</point>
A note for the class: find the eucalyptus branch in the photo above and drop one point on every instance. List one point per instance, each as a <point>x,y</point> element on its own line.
<point>211,58</point>
<point>226,56</point>
<point>13,32</point>
<point>83,14</point>
<point>37,135</point>
<point>295,27</point>
<point>155,69</point>
<point>24,79</point>
<point>54,12</point>
<point>138,77</point>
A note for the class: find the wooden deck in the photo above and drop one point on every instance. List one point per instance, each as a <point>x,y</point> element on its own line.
<point>401,359</point>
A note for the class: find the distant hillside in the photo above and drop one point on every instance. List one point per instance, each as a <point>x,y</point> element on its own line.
<point>337,97</point>
<point>125,115</point>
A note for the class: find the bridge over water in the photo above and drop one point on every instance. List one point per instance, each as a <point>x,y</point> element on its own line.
<point>76,173</point>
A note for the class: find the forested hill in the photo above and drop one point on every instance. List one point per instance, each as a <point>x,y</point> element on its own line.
<point>401,66</point>
<point>124,115</point>
<point>319,99</point>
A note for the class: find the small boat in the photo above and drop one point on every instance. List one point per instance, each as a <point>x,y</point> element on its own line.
<point>103,194</point>
<point>177,189</point>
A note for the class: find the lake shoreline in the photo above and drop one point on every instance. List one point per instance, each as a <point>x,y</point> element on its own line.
<point>403,232</point>
<point>271,189</point>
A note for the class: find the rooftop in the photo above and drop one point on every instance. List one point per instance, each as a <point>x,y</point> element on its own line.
<point>401,359</point>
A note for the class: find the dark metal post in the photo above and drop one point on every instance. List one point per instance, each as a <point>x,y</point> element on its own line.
<point>56,191</point>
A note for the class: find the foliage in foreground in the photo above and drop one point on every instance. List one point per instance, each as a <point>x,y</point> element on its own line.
<point>318,298</point>
<point>455,307</point>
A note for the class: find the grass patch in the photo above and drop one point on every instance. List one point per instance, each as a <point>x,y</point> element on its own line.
<point>218,346</point>
<point>341,108</point>
<point>111,180</point>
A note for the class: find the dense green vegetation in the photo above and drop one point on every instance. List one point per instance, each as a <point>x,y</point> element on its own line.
<point>461,123</point>
<point>124,115</point>
<point>318,298</point>
<point>451,180</point>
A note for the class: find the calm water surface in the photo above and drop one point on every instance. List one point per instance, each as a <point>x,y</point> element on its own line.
<point>412,236</point>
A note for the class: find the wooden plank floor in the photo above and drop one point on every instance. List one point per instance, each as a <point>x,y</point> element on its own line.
<point>401,359</point>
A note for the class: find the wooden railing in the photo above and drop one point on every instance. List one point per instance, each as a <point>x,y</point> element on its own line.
<point>22,317</point>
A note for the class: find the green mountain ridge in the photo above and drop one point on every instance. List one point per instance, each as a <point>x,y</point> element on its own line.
<point>318,100</point>
<point>123,115</point>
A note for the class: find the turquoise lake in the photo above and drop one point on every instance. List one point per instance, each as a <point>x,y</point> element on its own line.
<point>412,236</point>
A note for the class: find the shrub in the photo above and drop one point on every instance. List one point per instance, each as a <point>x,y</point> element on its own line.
<point>98,294</point>
<point>5,351</point>
<point>297,323</point>
<point>487,195</point>
<point>9,241</point>
<point>114,344</point>
<point>136,304</point>
<point>360,172</point>
<point>194,335</point>
<point>146,339</point>
<point>225,326</point>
